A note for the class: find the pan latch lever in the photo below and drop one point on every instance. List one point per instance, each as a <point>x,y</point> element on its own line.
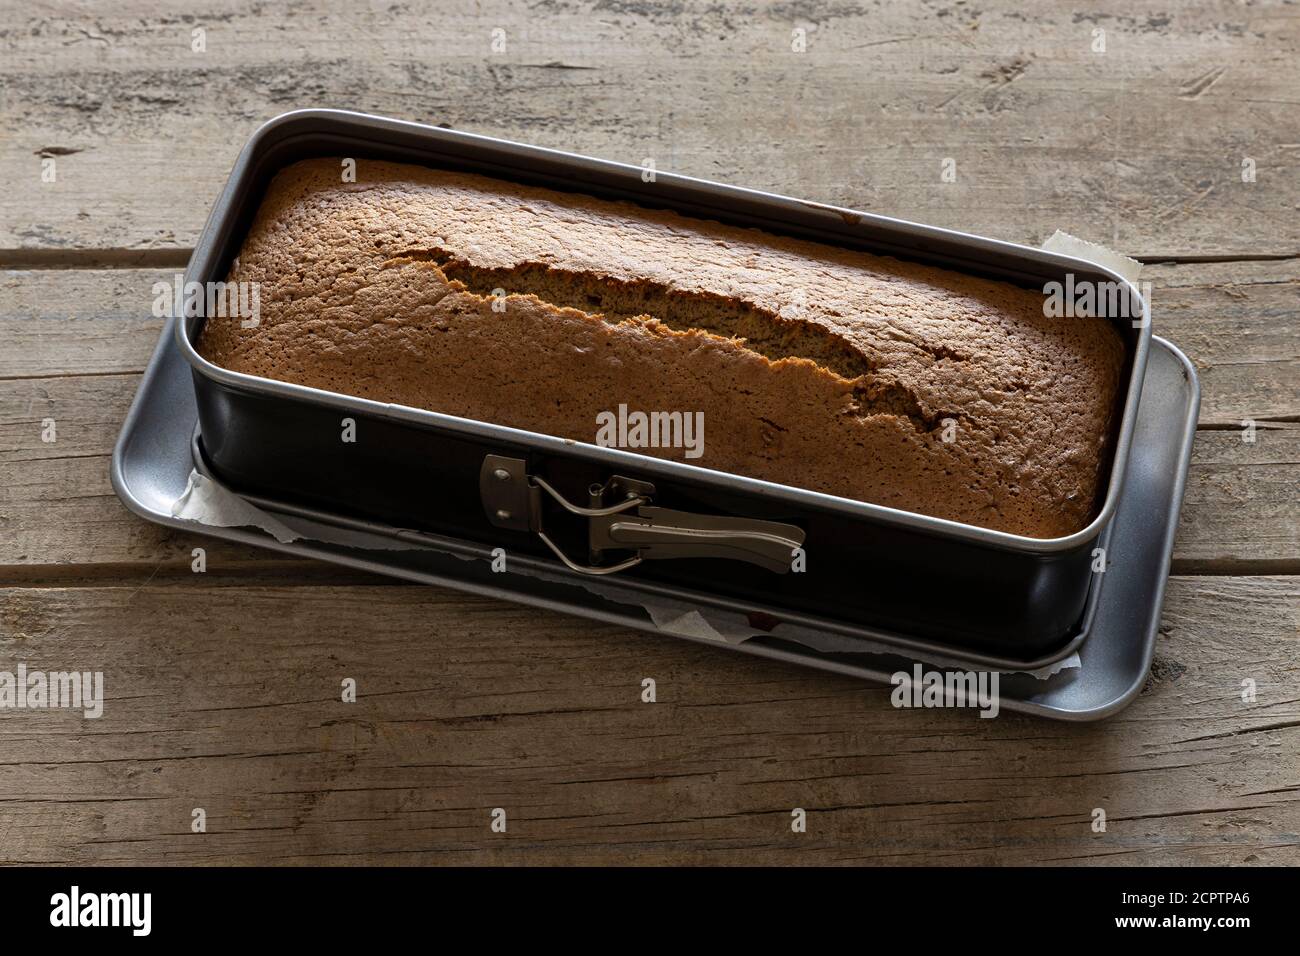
<point>622,519</point>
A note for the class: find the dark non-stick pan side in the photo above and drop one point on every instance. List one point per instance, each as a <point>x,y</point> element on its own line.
<point>859,571</point>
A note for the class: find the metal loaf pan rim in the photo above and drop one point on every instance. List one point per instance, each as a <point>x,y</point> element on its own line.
<point>204,260</point>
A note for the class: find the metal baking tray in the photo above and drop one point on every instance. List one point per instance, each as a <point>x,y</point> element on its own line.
<point>155,457</point>
<point>566,503</point>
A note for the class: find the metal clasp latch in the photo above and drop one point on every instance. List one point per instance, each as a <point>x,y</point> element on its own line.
<point>513,499</point>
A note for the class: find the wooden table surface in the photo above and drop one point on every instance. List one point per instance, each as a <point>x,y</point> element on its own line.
<point>223,688</point>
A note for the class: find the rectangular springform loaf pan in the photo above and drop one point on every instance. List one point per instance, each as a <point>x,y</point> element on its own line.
<point>599,509</point>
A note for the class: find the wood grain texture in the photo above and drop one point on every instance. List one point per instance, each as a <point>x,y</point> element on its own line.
<point>228,698</point>
<point>1238,323</point>
<point>1140,147</point>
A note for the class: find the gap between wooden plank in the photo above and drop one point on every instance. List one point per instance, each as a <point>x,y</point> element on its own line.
<point>313,573</point>
<point>1193,260</point>
<point>118,258</point>
<point>31,259</point>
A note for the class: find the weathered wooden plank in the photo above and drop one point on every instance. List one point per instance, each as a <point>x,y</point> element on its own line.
<point>71,342</point>
<point>1239,323</point>
<point>89,322</point>
<point>57,507</point>
<point>1241,512</point>
<point>1141,146</point>
<point>228,698</point>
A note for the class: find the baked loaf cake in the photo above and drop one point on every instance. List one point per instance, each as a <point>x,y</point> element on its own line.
<point>813,366</point>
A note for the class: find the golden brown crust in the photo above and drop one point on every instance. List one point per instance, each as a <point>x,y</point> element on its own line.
<point>383,289</point>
